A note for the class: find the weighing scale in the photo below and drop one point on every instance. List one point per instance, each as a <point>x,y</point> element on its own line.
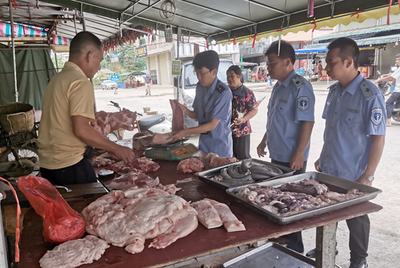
<point>175,151</point>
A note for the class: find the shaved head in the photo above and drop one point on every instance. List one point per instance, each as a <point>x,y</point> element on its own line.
<point>80,42</point>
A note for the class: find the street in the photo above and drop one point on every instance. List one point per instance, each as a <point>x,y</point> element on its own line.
<point>385,234</point>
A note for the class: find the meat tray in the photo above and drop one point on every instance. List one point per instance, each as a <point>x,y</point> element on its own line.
<point>206,175</point>
<point>334,184</point>
<point>270,255</point>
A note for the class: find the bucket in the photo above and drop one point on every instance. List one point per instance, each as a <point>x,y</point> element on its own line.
<point>146,109</point>
<point>17,117</point>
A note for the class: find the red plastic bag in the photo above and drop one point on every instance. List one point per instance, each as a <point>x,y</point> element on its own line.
<point>60,222</point>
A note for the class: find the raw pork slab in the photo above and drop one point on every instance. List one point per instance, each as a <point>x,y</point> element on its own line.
<point>108,122</point>
<point>207,214</point>
<point>178,121</point>
<point>74,253</point>
<point>231,223</point>
<point>216,161</point>
<point>131,179</point>
<point>190,165</point>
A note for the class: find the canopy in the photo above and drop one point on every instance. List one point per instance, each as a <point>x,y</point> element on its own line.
<point>229,20</point>
<point>315,50</point>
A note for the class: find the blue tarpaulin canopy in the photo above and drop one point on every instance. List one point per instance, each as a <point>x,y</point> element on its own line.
<point>311,50</point>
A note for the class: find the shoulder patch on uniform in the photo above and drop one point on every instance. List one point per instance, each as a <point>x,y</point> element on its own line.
<point>297,81</point>
<point>220,89</point>
<point>366,90</point>
<point>303,103</point>
<point>376,116</point>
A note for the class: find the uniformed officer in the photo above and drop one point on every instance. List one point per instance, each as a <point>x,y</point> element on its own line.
<point>354,133</point>
<point>212,107</point>
<point>290,117</point>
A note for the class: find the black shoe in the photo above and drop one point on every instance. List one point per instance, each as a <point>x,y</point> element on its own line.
<point>313,253</point>
<point>360,263</point>
<point>146,94</point>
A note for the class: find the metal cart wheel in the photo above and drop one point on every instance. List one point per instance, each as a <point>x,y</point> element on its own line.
<point>22,152</point>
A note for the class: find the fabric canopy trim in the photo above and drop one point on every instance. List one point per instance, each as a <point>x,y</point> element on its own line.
<point>373,41</point>
<point>344,19</point>
<point>21,30</point>
<point>58,40</point>
<point>314,50</point>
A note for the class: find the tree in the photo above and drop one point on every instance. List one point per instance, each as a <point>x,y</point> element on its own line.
<point>129,61</point>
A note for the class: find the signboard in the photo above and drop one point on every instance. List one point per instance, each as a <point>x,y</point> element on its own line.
<point>141,51</point>
<point>176,67</point>
<point>364,71</point>
<point>168,34</point>
<point>115,77</point>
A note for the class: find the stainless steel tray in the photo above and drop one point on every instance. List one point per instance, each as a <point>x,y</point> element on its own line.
<point>334,184</point>
<point>270,255</point>
<point>206,175</point>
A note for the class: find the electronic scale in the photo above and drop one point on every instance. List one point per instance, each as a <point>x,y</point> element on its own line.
<point>175,151</point>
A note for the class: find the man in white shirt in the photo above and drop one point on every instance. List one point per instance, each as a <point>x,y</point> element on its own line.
<point>396,93</point>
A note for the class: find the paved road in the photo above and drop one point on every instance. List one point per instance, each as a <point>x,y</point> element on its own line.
<point>385,232</point>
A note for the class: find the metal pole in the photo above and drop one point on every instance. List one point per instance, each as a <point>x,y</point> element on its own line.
<point>55,56</point>
<point>83,18</point>
<point>13,50</point>
<point>3,248</point>
<point>179,32</point>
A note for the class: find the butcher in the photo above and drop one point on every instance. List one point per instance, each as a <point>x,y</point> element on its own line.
<point>212,108</point>
<point>355,126</point>
<point>67,117</point>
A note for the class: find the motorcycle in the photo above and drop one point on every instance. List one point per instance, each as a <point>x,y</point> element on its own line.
<point>396,111</point>
<point>153,124</point>
<point>386,87</point>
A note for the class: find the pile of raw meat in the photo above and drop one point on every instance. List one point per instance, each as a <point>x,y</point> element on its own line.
<point>74,253</point>
<point>126,218</point>
<point>213,214</point>
<point>292,198</point>
<point>108,122</point>
<point>203,161</point>
<point>190,165</point>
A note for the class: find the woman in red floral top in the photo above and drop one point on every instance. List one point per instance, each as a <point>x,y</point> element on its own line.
<point>244,107</point>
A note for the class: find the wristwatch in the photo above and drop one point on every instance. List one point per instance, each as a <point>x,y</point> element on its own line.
<point>370,178</point>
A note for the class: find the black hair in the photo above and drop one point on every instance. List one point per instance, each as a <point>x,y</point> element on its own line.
<point>80,41</point>
<point>286,50</point>
<point>236,69</point>
<point>347,49</point>
<point>208,59</point>
<point>319,62</point>
<point>398,55</point>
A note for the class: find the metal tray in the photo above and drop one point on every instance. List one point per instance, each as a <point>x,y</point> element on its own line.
<point>270,255</point>
<point>334,184</point>
<point>206,175</point>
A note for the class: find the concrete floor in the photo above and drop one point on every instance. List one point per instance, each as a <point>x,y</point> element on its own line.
<point>384,250</point>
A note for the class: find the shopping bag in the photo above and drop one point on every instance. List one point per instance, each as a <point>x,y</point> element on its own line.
<point>60,222</point>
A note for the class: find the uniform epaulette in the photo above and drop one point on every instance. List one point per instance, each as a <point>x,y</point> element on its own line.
<point>366,90</point>
<point>220,89</point>
<point>297,81</point>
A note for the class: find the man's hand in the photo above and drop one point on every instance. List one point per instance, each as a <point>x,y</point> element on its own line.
<point>124,153</point>
<point>178,135</point>
<point>297,161</point>
<point>316,165</point>
<point>261,149</point>
<point>376,81</point>
<point>363,180</point>
<point>183,107</point>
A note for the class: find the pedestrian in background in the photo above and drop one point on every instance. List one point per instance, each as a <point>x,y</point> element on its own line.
<point>148,84</point>
<point>354,135</point>
<point>244,107</point>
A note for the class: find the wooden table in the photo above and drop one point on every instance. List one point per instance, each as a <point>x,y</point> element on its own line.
<point>202,241</point>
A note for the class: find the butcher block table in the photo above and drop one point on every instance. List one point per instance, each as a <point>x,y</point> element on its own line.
<point>201,242</point>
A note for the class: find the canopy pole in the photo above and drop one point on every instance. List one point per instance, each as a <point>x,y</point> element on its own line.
<point>13,50</point>
<point>83,21</point>
<point>55,57</point>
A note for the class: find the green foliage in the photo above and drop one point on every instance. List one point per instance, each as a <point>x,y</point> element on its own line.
<point>97,80</point>
<point>60,63</point>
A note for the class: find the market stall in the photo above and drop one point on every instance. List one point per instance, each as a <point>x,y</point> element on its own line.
<point>201,242</point>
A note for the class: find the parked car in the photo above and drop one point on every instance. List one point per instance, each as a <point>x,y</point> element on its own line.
<point>108,84</point>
